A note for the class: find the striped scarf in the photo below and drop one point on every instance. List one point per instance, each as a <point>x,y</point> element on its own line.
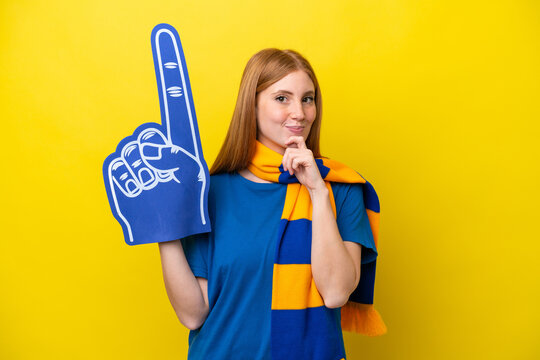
<point>302,327</point>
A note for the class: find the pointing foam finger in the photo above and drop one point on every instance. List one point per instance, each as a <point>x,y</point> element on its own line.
<point>177,112</point>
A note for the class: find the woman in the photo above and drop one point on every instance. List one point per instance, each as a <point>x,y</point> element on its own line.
<point>244,290</point>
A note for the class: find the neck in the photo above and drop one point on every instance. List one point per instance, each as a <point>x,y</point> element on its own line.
<point>252,177</point>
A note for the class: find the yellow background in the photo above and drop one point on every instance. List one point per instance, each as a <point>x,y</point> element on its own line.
<point>436,103</point>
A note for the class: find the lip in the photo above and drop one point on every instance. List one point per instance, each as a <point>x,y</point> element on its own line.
<point>295,129</point>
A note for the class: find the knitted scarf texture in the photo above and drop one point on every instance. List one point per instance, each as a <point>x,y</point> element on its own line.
<point>302,328</point>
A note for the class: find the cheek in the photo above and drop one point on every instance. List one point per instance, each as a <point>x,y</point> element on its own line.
<point>310,117</point>
<point>277,114</point>
<point>311,114</point>
<point>275,118</point>
<point>267,114</point>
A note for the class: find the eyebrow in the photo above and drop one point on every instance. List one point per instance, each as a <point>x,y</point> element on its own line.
<point>310,92</point>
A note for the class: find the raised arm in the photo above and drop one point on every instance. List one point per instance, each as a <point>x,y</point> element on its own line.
<point>335,264</point>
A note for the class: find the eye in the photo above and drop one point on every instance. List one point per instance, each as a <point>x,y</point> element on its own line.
<point>281,98</point>
<point>308,99</point>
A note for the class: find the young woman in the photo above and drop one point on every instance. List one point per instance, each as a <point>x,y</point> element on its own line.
<point>268,282</point>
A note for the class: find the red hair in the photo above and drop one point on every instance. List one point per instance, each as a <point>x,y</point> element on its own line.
<point>263,69</point>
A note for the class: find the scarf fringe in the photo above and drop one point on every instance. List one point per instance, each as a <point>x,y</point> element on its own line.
<point>362,319</point>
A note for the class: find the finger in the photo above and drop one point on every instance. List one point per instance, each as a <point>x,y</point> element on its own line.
<point>151,141</point>
<point>177,112</point>
<point>123,179</point>
<point>297,163</point>
<point>170,158</point>
<point>298,141</point>
<point>160,155</point>
<point>290,160</point>
<point>131,155</point>
<point>183,167</point>
<point>293,154</point>
<point>294,164</point>
<point>284,159</point>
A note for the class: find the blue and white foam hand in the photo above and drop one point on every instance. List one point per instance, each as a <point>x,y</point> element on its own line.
<point>157,180</point>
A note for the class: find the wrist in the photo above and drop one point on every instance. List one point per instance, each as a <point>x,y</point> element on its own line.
<point>320,191</point>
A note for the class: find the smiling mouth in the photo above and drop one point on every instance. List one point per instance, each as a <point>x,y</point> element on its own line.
<point>295,128</point>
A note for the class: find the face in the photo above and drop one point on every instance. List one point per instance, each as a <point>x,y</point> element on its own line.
<point>284,109</point>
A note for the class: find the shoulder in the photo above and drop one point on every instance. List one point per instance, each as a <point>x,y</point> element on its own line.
<point>225,185</point>
<point>220,176</point>
<point>347,197</point>
<point>343,190</point>
<point>221,180</point>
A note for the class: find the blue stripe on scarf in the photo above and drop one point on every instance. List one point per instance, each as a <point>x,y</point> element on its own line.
<point>364,292</point>
<point>371,200</point>
<point>297,334</point>
<point>312,331</point>
<point>295,244</point>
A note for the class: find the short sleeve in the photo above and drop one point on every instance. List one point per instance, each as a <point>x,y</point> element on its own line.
<point>352,219</point>
<point>196,251</point>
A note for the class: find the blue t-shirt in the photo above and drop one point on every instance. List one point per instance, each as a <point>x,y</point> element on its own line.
<point>237,258</point>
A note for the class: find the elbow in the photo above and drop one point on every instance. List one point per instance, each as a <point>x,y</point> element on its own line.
<point>192,322</point>
<point>337,297</point>
<point>336,300</point>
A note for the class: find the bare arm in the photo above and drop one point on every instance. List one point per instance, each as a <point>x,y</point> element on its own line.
<point>188,295</point>
<point>335,264</point>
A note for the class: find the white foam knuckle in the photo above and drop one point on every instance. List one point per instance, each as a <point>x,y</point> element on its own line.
<point>165,175</point>
<point>152,137</point>
<point>174,91</point>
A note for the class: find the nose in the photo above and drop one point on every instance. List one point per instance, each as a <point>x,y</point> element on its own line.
<point>297,110</point>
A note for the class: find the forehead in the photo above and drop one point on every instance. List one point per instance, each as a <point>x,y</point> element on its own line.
<point>296,81</point>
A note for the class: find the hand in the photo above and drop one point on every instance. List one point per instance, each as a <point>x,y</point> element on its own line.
<point>156,180</point>
<point>298,160</point>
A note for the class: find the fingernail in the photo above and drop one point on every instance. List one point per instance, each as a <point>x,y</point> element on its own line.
<point>131,186</point>
<point>150,151</point>
<point>146,176</point>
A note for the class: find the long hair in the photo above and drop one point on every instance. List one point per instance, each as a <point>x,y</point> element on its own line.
<point>263,69</point>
